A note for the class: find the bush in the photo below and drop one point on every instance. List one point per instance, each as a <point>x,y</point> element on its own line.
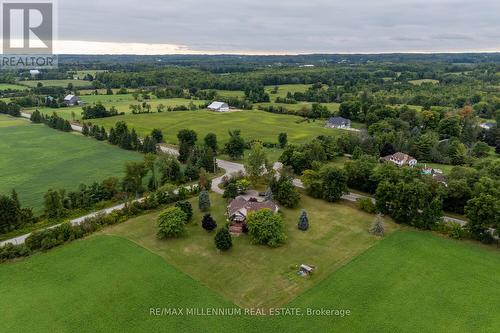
<point>171,223</point>
<point>208,223</point>
<point>367,205</point>
<point>223,240</point>
<point>187,208</point>
<point>452,230</point>
<point>266,228</point>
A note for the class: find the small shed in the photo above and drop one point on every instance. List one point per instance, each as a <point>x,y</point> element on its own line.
<point>305,270</point>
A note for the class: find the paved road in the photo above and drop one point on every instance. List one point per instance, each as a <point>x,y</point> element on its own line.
<point>229,167</point>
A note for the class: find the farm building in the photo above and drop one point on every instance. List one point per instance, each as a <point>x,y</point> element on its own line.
<point>72,100</point>
<point>219,107</point>
<point>400,159</point>
<point>487,126</point>
<point>338,122</point>
<point>240,207</point>
<point>34,72</point>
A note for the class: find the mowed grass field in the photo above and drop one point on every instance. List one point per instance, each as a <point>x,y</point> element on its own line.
<point>258,125</point>
<point>257,276</point>
<point>35,158</point>
<point>120,102</point>
<point>57,83</point>
<point>407,282</point>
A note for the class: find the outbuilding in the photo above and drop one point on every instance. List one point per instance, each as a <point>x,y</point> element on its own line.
<point>219,107</point>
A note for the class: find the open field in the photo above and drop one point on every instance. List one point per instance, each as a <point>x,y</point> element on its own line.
<point>35,158</point>
<point>8,86</point>
<point>103,284</point>
<point>286,88</point>
<point>422,81</point>
<point>257,276</point>
<point>301,105</point>
<point>254,124</point>
<point>57,83</point>
<point>120,102</point>
<point>411,282</point>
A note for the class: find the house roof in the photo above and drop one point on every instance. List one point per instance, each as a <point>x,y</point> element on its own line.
<point>241,206</point>
<point>69,97</point>
<point>398,156</point>
<point>217,105</point>
<point>488,125</point>
<point>339,121</point>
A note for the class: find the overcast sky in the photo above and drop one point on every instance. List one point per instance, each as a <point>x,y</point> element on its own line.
<point>277,27</point>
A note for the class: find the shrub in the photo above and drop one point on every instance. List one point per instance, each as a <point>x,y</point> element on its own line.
<point>171,223</point>
<point>303,221</point>
<point>223,240</point>
<point>367,205</point>
<point>231,191</point>
<point>266,228</point>
<point>208,223</point>
<point>187,208</point>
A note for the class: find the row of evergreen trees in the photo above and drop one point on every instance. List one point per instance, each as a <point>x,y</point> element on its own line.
<point>53,121</point>
<point>12,109</point>
<point>121,136</point>
<point>12,215</point>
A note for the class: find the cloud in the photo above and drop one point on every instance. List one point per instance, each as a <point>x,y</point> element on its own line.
<point>292,26</point>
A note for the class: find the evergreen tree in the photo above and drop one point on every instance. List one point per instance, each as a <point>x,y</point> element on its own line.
<point>204,201</point>
<point>231,191</point>
<point>208,223</point>
<point>223,240</point>
<point>303,221</point>
<point>377,228</point>
<point>85,129</point>
<point>282,139</point>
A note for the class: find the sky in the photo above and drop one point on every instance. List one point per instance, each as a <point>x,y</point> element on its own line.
<point>276,27</point>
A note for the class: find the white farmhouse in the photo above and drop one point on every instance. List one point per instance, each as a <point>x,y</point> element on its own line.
<point>400,159</point>
<point>219,107</point>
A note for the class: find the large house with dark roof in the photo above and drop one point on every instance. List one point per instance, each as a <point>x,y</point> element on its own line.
<point>338,122</point>
<point>239,209</point>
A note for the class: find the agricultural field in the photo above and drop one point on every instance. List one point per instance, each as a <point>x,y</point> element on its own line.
<point>8,86</point>
<point>35,158</point>
<point>256,276</point>
<point>258,125</point>
<point>120,102</point>
<point>102,284</point>
<point>57,83</point>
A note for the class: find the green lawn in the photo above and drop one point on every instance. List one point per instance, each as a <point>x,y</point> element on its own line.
<point>256,276</point>
<point>57,83</point>
<point>300,106</point>
<point>254,124</point>
<point>8,86</point>
<point>411,282</point>
<point>103,284</point>
<point>34,158</point>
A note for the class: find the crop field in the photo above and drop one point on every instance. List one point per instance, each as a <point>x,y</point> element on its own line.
<point>57,83</point>
<point>8,86</point>
<point>258,125</point>
<point>35,158</point>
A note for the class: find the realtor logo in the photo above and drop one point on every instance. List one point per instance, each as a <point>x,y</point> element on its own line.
<point>28,34</point>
